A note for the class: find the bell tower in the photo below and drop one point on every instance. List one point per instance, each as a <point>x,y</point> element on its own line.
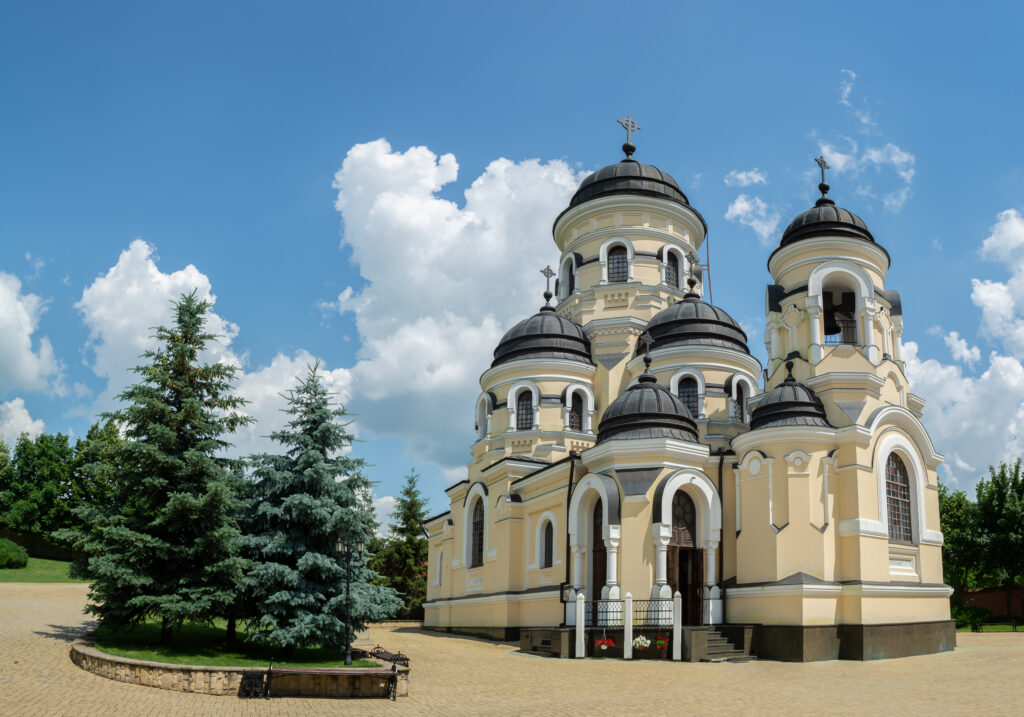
<point>828,311</point>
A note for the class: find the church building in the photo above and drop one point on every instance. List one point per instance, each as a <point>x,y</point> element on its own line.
<point>628,442</point>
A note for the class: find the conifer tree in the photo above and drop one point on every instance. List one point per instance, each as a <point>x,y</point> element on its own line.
<point>403,560</point>
<point>166,544</point>
<point>312,495</point>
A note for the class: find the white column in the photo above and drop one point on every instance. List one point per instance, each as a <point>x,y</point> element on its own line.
<point>581,647</point>
<point>627,628</point>
<point>869,348</point>
<point>578,552</point>
<point>710,566</point>
<point>773,341</point>
<point>661,535</point>
<point>611,544</point>
<point>677,626</point>
<point>712,593</point>
<point>815,314</point>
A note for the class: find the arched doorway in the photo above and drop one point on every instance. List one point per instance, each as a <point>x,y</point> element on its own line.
<point>598,568</point>
<point>685,559</point>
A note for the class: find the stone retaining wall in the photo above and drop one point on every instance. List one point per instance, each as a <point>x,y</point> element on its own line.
<point>351,682</point>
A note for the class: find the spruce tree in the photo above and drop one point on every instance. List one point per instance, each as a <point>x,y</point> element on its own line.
<point>312,495</point>
<point>166,545</point>
<point>403,560</point>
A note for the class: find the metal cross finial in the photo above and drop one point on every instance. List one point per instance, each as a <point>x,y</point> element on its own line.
<point>630,125</point>
<point>546,271</point>
<point>646,340</point>
<point>824,165</point>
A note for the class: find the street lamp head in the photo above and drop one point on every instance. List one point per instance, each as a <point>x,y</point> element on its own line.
<point>360,547</point>
<point>341,546</point>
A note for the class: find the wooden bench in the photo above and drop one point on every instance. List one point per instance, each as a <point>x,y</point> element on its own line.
<point>395,658</point>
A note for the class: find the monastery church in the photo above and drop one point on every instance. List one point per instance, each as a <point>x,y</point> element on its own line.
<point>628,442</point>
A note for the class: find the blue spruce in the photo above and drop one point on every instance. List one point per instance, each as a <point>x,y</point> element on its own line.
<point>309,497</point>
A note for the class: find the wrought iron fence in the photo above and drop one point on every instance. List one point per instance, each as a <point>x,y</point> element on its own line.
<point>603,613</point>
<point>844,332</point>
<point>651,613</point>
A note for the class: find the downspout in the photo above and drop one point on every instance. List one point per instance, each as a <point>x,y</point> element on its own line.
<point>573,455</point>
<point>722,453</point>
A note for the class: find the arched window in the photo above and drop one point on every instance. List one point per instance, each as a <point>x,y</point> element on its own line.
<point>688,395</point>
<point>897,491</point>
<point>684,520</point>
<point>738,404</point>
<point>524,411</point>
<point>618,264</point>
<point>570,280</point>
<point>548,546</point>
<point>840,317</point>
<point>672,270</point>
<point>476,553</point>
<point>576,412</point>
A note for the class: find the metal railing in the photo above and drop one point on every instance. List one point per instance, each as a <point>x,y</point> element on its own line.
<point>652,613</point>
<point>603,613</point>
<point>845,332</point>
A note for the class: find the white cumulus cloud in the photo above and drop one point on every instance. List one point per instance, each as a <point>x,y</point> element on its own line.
<point>15,420</point>
<point>121,307</point>
<point>25,363</point>
<point>443,283</point>
<point>736,178</point>
<point>960,350</point>
<point>755,213</point>
<point>979,421</point>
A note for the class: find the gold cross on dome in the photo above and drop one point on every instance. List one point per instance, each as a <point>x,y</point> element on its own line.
<point>630,125</point>
<point>823,165</point>
<point>546,271</point>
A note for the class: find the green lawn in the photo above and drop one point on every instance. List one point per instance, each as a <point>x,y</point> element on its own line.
<point>39,570</point>
<point>1001,627</point>
<point>200,645</point>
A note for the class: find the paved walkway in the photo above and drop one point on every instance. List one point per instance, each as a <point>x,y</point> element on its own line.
<point>455,676</point>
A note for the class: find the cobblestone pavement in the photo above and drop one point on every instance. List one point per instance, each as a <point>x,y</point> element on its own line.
<point>454,676</point>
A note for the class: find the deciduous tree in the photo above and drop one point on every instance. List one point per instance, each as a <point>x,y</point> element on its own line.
<point>1001,518</point>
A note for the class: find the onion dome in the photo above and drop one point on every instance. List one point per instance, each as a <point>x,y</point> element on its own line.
<point>543,335</point>
<point>630,177</point>
<point>826,219</point>
<point>647,410</point>
<point>693,321</point>
<point>789,404</point>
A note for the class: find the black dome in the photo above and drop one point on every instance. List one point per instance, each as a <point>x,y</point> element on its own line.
<point>693,321</point>
<point>543,335</point>
<point>825,218</point>
<point>647,410</point>
<point>629,177</point>
<point>789,404</point>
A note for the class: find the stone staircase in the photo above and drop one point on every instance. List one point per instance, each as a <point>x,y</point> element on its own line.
<point>721,650</point>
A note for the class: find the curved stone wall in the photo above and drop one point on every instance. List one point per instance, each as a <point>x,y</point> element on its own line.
<point>351,682</point>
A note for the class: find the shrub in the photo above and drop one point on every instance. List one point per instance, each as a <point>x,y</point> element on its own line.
<point>970,615</point>
<point>12,555</point>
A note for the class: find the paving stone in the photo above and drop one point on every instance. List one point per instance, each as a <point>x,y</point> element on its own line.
<point>465,676</point>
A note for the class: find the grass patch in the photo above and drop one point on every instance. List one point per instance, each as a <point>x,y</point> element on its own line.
<point>39,570</point>
<point>202,645</point>
<point>1000,627</point>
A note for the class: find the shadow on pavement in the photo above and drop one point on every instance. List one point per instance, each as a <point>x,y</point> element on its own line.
<point>67,633</point>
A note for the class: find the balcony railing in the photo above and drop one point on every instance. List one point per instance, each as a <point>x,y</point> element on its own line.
<point>841,331</point>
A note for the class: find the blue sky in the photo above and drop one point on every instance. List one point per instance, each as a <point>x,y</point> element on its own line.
<point>221,136</point>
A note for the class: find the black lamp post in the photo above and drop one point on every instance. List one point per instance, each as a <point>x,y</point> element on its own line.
<point>345,549</point>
